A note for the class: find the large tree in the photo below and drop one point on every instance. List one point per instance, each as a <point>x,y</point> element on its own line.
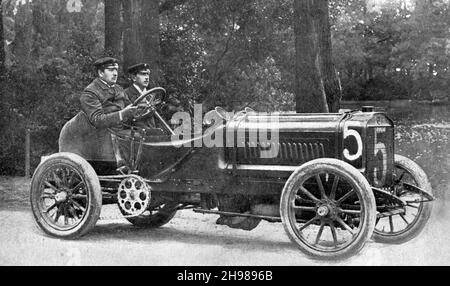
<point>23,26</point>
<point>151,36</point>
<point>331,83</point>
<point>141,34</point>
<point>2,43</point>
<point>113,27</point>
<point>309,85</point>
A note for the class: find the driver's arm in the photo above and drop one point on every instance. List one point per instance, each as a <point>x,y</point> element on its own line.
<point>92,106</point>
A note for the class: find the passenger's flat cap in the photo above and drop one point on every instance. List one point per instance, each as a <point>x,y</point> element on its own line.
<point>105,62</point>
<point>134,69</point>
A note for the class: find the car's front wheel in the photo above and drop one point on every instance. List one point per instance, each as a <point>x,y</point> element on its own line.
<point>65,196</point>
<point>328,209</point>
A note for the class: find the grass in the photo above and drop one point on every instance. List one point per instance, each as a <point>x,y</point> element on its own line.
<point>14,192</point>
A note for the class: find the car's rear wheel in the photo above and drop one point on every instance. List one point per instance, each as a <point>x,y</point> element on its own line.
<point>328,209</point>
<point>401,227</point>
<point>65,196</point>
<point>155,217</point>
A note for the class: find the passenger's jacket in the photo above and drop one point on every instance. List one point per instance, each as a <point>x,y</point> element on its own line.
<point>101,103</point>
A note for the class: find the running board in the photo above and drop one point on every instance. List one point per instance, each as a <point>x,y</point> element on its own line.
<point>268,218</point>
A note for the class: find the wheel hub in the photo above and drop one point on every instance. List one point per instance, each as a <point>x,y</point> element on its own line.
<point>133,195</point>
<point>61,196</point>
<point>323,210</point>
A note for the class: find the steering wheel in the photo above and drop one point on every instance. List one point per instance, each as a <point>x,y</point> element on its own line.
<point>154,101</point>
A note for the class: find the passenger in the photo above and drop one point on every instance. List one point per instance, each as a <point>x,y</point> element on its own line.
<point>104,101</point>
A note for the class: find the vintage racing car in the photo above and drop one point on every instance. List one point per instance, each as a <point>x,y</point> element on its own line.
<point>333,180</point>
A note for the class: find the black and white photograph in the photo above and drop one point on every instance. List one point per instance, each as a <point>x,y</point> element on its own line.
<point>224,133</point>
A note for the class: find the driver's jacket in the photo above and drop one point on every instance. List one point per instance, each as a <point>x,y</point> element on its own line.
<point>101,103</point>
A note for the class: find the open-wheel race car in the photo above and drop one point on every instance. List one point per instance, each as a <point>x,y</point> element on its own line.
<point>333,180</point>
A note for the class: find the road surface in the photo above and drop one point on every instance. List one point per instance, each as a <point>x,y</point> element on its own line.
<point>195,239</point>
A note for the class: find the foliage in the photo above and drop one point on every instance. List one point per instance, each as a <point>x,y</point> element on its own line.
<point>217,52</point>
<point>397,51</point>
<point>40,93</point>
<point>224,52</point>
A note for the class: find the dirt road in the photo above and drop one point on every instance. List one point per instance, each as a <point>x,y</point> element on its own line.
<point>194,239</point>
<point>190,239</point>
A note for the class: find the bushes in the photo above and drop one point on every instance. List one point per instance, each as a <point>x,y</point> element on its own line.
<point>378,88</point>
<point>41,96</point>
<point>40,101</point>
<point>393,87</point>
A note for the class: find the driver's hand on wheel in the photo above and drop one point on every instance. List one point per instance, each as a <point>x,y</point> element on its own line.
<point>142,105</point>
<point>157,101</point>
<point>128,112</point>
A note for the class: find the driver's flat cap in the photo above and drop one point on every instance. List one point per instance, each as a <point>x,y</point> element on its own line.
<point>134,69</point>
<point>104,62</point>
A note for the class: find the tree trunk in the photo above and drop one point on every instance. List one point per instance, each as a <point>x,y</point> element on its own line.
<point>331,82</point>
<point>2,44</point>
<point>22,44</point>
<point>129,40</point>
<point>430,70</point>
<point>369,71</point>
<point>113,28</point>
<point>309,86</point>
<point>150,37</point>
<point>141,34</point>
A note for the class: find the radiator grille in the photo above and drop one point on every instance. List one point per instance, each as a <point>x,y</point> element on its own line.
<point>288,152</point>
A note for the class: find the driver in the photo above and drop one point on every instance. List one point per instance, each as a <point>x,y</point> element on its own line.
<point>104,101</point>
<point>140,76</point>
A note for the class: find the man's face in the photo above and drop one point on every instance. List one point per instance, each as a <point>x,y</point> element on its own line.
<point>142,78</point>
<point>109,74</point>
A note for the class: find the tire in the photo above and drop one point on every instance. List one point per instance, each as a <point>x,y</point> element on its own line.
<point>333,210</point>
<point>419,211</point>
<point>65,186</point>
<point>154,218</point>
